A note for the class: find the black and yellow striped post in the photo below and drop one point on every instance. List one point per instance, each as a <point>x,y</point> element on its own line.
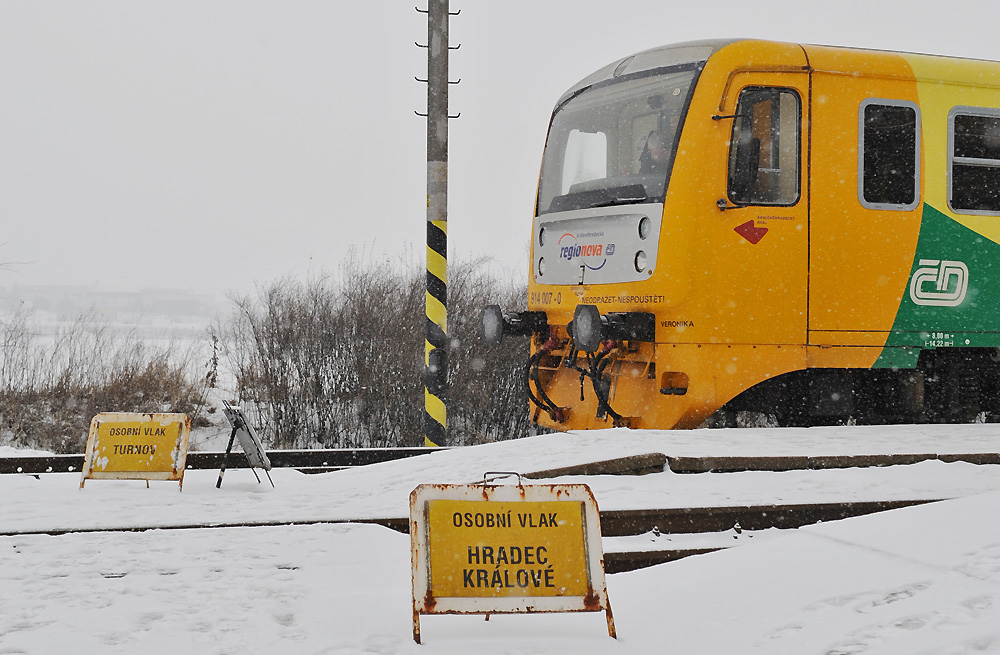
<point>436,343</point>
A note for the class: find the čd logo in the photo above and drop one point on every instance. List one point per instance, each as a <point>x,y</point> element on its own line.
<point>939,283</point>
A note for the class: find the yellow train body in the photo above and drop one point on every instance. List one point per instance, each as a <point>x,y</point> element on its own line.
<point>821,279</point>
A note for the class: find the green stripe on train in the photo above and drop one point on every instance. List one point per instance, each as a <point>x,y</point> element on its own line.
<point>952,297</point>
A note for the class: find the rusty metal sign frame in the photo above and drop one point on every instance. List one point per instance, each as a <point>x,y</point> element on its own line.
<point>425,601</point>
<point>92,469</point>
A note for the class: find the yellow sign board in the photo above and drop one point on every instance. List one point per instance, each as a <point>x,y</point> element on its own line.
<point>507,548</point>
<point>484,549</point>
<point>137,446</point>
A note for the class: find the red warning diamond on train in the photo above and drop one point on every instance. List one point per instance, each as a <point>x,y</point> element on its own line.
<point>750,232</point>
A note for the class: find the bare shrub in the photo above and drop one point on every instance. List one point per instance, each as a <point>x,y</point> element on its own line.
<point>53,386</point>
<point>339,363</point>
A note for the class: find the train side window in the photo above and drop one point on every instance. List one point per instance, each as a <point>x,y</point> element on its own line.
<point>764,152</point>
<point>974,160</point>
<point>889,154</point>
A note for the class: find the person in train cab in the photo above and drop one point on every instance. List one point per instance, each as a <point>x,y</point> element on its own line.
<point>655,153</point>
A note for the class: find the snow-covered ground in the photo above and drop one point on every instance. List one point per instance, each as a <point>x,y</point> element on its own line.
<point>923,579</point>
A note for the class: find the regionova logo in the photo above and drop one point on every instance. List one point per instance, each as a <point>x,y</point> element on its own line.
<point>570,248</point>
<point>939,283</point>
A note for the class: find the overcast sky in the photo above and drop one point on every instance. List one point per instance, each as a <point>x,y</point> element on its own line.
<point>208,145</point>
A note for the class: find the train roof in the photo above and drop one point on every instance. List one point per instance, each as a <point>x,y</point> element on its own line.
<point>661,57</point>
<point>822,57</point>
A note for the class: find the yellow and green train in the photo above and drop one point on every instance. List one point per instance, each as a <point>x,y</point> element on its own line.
<point>806,231</point>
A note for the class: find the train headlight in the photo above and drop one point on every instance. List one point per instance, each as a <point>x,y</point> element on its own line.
<point>640,261</point>
<point>587,328</point>
<point>541,236</point>
<point>644,226</point>
<point>492,324</point>
<point>541,266</point>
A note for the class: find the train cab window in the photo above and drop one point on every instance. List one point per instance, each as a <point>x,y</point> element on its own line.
<point>974,160</point>
<point>586,158</point>
<point>614,143</point>
<point>764,152</point>
<point>888,154</point>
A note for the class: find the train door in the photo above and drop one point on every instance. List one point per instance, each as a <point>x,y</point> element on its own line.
<point>761,259</point>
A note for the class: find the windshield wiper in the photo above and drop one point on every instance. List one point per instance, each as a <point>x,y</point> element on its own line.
<point>624,196</point>
<point>621,195</point>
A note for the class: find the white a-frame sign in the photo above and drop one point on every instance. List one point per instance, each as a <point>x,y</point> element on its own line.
<point>249,441</point>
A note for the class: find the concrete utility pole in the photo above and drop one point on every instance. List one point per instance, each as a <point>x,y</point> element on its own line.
<point>436,344</point>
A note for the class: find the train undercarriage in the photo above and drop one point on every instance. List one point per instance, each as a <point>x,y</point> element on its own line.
<point>625,383</point>
<point>947,386</point>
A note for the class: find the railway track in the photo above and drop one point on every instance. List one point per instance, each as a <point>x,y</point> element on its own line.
<point>719,521</point>
<point>307,461</point>
<point>324,461</point>
<point>614,523</point>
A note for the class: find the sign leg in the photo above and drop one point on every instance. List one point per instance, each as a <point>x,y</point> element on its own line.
<point>250,464</point>
<point>416,626</point>
<point>225,457</point>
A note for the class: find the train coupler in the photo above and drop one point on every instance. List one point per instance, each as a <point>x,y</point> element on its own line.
<point>625,422</point>
<point>556,415</point>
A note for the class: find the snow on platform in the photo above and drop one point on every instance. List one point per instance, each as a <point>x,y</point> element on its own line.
<point>917,580</point>
<point>923,579</point>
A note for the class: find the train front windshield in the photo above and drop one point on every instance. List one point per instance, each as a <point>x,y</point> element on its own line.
<point>614,143</point>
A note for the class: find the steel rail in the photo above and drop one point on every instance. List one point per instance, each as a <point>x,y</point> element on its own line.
<point>308,460</point>
<point>318,461</point>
